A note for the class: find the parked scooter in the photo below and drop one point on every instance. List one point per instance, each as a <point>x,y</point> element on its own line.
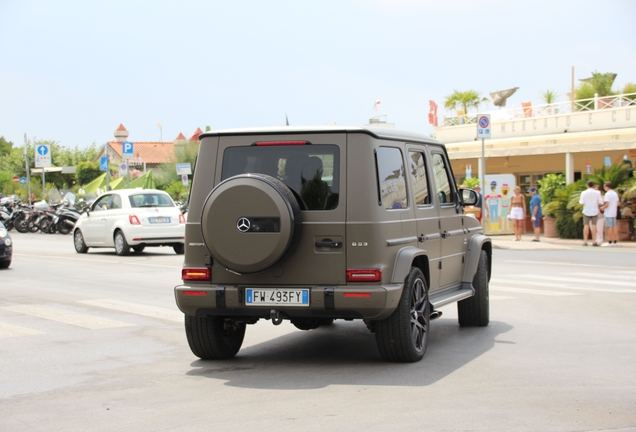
<point>67,215</point>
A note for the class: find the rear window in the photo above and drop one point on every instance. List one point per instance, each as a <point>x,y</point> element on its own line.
<point>150,200</point>
<point>310,171</point>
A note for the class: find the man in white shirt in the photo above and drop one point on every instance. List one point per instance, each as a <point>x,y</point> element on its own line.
<point>591,200</point>
<point>610,210</point>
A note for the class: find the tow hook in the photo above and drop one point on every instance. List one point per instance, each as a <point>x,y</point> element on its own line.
<point>275,316</point>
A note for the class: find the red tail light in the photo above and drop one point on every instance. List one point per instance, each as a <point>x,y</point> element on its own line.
<point>364,275</point>
<point>280,143</point>
<point>196,274</point>
<point>194,293</point>
<point>134,220</point>
<point>181,219</point>
<point>351,294</point>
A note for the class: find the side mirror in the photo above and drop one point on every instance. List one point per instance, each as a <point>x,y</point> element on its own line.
<point>468,197</point>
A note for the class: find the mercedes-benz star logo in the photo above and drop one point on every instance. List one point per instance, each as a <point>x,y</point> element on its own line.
<point>243,224</point>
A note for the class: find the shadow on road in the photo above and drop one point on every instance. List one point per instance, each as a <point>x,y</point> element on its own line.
<point>346,354</point>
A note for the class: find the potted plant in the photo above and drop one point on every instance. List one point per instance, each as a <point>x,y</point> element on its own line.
<point>548,186</point>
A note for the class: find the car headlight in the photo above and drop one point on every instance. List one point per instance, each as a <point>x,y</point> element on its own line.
<point>3,232</point>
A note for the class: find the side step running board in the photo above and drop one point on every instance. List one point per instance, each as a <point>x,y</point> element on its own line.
<point>451,295</point>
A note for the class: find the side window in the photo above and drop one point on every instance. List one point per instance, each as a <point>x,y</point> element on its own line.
<point>418,178</point>
<point>443,188</point>
<point>391,178</point>
<point>116,202</point>
<point>102,204</point>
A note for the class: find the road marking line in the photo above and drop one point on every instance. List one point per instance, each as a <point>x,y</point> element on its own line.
<point>534,291</point>
<point>138,309</point>
<point>630,278</point>
<point>499,297</point>
<point>598,281</point>
<point>8,330</point>
<point>66,317</point>
<point>560,263</point>
<point>136,264</point>
<point>561,286</point>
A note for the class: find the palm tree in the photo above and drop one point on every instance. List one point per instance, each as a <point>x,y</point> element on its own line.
<point>466,99</point>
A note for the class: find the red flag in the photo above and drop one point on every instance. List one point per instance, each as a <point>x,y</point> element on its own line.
<point>432,114</point>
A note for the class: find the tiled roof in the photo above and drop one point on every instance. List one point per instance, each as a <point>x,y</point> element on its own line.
<point>180,137</point>
<point>195,136</point>
<point>149,152</point>
<point>121,127</point>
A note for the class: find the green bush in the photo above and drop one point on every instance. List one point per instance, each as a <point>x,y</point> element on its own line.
<point>548,186</point>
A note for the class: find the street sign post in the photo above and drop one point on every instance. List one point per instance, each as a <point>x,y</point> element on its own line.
<point>184,169</point>
<point>483,132</point>
<point>184,180</point>
<point>103,163</point>
<point>42,156</point>
<point>127,150</point>
<point>483,126</point>
<point>123,168</point>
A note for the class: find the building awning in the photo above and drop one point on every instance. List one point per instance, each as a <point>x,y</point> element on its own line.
<point>46,170</point>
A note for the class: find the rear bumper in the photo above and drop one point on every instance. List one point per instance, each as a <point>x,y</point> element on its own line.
<point>155,235</point>
<point>324,302</point>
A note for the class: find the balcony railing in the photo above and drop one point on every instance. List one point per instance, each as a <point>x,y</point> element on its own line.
<point>527,110</point>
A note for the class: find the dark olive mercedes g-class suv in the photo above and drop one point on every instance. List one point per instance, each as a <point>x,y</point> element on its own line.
<point>317,224</point>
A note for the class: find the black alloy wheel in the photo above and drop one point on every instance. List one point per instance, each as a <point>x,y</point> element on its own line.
<point>403,337</point>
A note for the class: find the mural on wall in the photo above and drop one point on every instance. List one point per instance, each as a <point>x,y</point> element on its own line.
<point>497,190</point>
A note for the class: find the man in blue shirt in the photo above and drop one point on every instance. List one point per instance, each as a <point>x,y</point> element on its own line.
<point>535,212</point>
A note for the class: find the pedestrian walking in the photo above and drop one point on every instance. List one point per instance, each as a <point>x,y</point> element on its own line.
<point>591,200</point>
<point>610,208</point>
<point>600,222</point>
<point>535,213</point>
<point>517,212</point>
<point>479,203</point>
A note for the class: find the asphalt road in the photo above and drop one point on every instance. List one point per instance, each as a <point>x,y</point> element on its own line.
<point>95,342</point>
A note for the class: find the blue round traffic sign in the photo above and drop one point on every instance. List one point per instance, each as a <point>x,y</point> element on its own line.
<point>483,122</point>
<point>43,150</point>
<point>22,180</point>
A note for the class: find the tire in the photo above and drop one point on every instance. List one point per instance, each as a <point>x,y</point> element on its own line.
<point>45,224</point>
<point>63,227</point>
<point>245,210</point>
<point>403,337</point>
<point>121,245</point>
<point>179,249</point>
<point>78,242</point>
<point>475,311</point>
<point>32,226</point>
<point>21,224</point>
<point>139,249</point>
<point>214,338</point>
<point>5,264</point>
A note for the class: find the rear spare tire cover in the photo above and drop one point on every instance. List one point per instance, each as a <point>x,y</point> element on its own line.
<point>248,222</point>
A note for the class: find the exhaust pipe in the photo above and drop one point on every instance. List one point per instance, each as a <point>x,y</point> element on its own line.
<point>435,315</point>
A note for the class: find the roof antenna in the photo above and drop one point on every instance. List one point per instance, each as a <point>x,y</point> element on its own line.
<point>286,120</point>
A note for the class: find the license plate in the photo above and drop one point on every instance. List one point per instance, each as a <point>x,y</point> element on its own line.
<point>159,220</point>
<point>276,297</point>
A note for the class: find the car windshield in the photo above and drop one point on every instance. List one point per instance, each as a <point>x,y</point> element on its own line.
<point>150,200</point>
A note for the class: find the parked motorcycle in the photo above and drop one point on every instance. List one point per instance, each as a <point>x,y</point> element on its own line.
<point>66,215</point>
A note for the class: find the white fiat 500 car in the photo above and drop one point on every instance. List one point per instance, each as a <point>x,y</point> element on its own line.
<point>130,218</point>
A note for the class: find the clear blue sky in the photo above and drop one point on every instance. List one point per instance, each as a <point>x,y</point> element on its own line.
<point>72,71</point>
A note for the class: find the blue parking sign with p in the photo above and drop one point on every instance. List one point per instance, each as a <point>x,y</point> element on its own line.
<point>127,149</point>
